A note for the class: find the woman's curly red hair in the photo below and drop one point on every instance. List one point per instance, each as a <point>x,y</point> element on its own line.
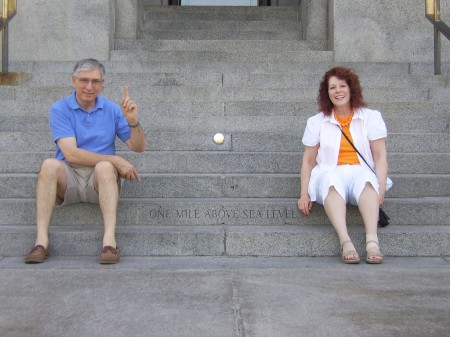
<point>356,98</point>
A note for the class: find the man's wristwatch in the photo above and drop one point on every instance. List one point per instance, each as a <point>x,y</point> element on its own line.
<point>134,125</point>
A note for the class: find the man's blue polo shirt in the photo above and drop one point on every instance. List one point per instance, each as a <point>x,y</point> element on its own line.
<point>95,131</point>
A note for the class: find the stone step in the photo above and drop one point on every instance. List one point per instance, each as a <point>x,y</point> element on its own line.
<point>430,211</point>
<point>231,80</point>
<point>396,240</point>
<point>205,13</point>
<point>231,186</point>
<point>236,46</point>
<point>147,95</point>
<point>225,118</point>
<point>368,81</point>
<point>230,117</point>
<point>236,116</point>
<point>220,23</point>
<point>234,141</point>
<point>196,162</point>
<point>305,67</point>
<point>266,33</point>
<point>223,57</point>
<point>418,111</point>
<point>234,26</point>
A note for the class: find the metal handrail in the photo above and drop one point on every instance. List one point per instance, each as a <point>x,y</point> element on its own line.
<point>8,12</point>
<point>433,13</point>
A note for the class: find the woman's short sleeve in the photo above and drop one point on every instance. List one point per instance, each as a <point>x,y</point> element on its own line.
<point>376,128</point>
<point>311,136</point>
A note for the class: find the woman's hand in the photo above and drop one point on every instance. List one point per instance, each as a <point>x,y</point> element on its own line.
<point>304,204</point>
<point>382,192</point>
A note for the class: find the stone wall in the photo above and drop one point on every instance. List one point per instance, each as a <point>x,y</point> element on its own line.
<point>358,31</point>
<point>61,30</point>
<point>383,31</point>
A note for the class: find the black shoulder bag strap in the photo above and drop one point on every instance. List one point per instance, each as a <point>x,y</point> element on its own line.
<point>351,143</point>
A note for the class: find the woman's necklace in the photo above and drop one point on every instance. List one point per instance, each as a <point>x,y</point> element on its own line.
<point>344,122</point>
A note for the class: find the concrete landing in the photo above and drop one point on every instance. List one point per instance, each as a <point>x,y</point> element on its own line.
<point>238,297</point>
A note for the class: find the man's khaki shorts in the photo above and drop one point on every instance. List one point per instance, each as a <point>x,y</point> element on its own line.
<point>80,185</point>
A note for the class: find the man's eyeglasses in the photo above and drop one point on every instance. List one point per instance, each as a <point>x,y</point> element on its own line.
<point>85,81</point>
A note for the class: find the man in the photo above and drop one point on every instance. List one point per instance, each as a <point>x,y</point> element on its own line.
<point>84,126</point>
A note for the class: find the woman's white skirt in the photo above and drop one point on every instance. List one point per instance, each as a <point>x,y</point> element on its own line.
<point>348,180</point>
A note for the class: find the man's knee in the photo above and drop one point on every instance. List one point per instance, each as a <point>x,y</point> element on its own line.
<point>104,170</point>
<point>51,167</point>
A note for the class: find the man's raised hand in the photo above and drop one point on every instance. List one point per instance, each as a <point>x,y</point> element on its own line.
<point>129,108</point>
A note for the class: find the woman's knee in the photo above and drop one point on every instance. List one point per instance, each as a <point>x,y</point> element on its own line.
<point>365,191</point>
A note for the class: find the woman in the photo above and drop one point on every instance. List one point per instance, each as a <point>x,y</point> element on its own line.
<point>332,173</point>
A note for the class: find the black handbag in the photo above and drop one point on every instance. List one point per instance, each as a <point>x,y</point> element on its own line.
<point>383,218</point>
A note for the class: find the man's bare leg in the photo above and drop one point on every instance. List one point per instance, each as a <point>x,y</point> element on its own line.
<point>52,183</point>
<point>105,183</point>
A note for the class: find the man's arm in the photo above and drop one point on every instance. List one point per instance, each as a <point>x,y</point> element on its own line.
<point>75,155</point>
<point>137,141</point>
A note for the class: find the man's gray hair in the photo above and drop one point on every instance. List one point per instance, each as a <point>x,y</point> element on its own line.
<point>87,65</point>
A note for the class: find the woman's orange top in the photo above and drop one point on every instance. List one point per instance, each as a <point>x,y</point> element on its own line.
<point>347,154</point>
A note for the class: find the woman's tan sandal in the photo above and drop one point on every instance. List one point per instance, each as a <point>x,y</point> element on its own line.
<point>350,256</point>
<point>373,254</point>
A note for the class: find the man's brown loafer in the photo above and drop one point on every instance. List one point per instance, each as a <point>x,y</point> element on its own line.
<point>37,254</point>
<point>109,255</point>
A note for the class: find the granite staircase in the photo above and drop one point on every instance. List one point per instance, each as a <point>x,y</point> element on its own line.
<point>247,73</point>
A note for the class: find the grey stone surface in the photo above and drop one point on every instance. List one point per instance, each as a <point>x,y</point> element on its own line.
<point>196,118</point>
<point>52,30</point>
<point>63,79</point>
<point>222,14</point>
<point>232,186</point>
<point>146,95</point>
<point>289,241</point>
<point>427,211</point>
<point>305,67</point>
<point>219,45</point>
<point>316,20</point>
<point>379,25</point>
<point>176,162</point>
<point>221,57</point>
<point>236,27</point>
<point>315,241</point>
<point>383,31</point>
<point>236,79</point>
<point>128,20</point>
<point>368,82</point>
<point>420,163</point>
<point>225,34</point>
<point>233,297</point>
<point>26,139</point>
